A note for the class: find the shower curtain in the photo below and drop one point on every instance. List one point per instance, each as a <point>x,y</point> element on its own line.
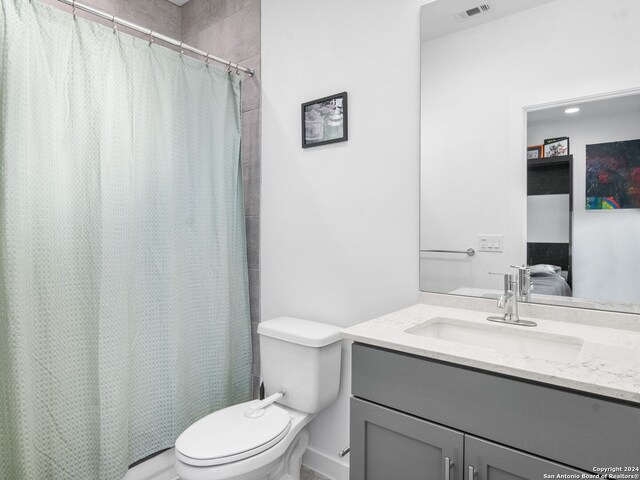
<point>124,310</point>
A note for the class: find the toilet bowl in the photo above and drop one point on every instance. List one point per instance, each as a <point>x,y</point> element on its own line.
<point>276,456</point>
<point>266,439</point>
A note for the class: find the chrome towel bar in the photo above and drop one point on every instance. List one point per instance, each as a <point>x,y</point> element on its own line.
<point>469,251</point>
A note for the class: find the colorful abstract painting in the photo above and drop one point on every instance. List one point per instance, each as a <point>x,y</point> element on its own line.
<point>613,175</point>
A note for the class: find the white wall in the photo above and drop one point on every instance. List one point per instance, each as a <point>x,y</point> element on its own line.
<point>548,218</point>
<point>606,255</point>
<point>340,222</point>
<point>475,84</point>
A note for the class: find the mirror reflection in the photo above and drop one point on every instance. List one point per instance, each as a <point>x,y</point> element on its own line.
<point>531,151</point>
<point>596,242</point>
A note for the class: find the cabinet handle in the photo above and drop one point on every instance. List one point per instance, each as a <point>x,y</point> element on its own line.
<point>448,464</point>
<point>472,472</point>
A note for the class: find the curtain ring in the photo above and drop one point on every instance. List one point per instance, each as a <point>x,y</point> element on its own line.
<point>206,60</point>
<point>150,37</point>
<point>181,50</point>
<point>229,67</point>
<point>115,25</point>
<point>237,69</point>
<point>73,8</point>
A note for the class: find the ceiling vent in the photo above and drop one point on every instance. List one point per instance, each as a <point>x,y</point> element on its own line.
<point>473,12</point>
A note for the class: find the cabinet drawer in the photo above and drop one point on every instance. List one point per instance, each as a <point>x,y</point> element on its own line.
<point>578,430</point>
<point>386,444</point>
<point>487,461</point>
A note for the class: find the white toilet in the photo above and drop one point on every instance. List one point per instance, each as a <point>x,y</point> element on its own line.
<point>266,439</point>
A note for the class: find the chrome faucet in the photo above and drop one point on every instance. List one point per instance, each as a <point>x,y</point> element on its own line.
<point>508,301</point>
<point>524,283</point>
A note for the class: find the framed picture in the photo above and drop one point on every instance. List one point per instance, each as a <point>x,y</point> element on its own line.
<point>324,120</point>
<point>613,175</point>
<point>535,151</point>
<point>556,147</point>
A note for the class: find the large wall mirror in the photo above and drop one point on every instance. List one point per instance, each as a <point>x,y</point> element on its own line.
<point>530,149</point>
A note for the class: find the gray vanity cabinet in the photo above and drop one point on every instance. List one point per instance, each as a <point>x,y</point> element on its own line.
<point>409,414</point>
<point>489,461</point>
<point>390,445</point>
<point>386,445</point>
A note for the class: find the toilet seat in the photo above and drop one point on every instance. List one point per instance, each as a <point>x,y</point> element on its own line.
<point>228,435</point>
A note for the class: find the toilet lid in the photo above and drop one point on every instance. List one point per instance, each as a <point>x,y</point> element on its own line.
<point>228,435</point>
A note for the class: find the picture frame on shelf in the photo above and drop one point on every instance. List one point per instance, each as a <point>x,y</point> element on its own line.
<point>535,151</point>
<point>556,147</point>
<point>325,120</point>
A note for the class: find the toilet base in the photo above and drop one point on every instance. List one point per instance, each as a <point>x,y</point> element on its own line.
<point>289,468</point>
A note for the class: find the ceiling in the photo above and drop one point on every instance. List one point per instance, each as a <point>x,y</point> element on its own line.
<point>440,17</point>
<point>589,110</point>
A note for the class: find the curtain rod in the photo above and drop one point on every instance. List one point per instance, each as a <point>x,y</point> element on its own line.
<point>151,34</point>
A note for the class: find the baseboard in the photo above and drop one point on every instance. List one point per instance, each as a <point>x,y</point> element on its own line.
<point>334,468</point>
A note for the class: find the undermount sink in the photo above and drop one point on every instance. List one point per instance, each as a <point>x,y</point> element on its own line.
<point>507,339</point>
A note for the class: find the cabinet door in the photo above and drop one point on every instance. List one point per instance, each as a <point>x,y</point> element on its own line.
<point>489,461</point>
<point>386,444</point>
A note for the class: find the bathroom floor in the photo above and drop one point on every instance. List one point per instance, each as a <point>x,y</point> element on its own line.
<point>308,474</point>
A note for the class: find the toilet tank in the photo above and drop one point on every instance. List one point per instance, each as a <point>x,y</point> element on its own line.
<point>302,358</point>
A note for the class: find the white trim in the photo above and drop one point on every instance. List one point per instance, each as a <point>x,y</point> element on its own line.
<point>584,99</point>
<point>334,468</point>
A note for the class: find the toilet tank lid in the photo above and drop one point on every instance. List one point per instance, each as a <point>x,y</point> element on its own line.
<point>301,332</point>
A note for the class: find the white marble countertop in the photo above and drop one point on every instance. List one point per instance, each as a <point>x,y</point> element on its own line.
<point>608,363</point>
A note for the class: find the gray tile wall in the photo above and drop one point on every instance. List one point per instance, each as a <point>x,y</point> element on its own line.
<point>231,29</point>
<point>158,15</point>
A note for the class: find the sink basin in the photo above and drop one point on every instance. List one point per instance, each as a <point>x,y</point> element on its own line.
<point>507,339</point>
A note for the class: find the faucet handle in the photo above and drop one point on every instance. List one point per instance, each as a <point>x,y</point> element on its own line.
<point>507,276</point>
<point>524,275</point>
<point>509,280</point>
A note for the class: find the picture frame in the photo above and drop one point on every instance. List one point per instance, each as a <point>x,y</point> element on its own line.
<point>612,175</point>
<point>556,147</point>
<point>535,151</point>
<point>325,120</point>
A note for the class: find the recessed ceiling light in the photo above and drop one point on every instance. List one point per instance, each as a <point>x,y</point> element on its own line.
<point>572,110</point>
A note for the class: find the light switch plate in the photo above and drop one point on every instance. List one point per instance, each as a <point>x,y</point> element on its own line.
<point>490,242</point>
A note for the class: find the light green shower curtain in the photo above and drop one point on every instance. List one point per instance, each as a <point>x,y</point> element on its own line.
<point>123,283</point>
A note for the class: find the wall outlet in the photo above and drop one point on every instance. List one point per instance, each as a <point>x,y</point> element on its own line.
<point>490,242</point>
